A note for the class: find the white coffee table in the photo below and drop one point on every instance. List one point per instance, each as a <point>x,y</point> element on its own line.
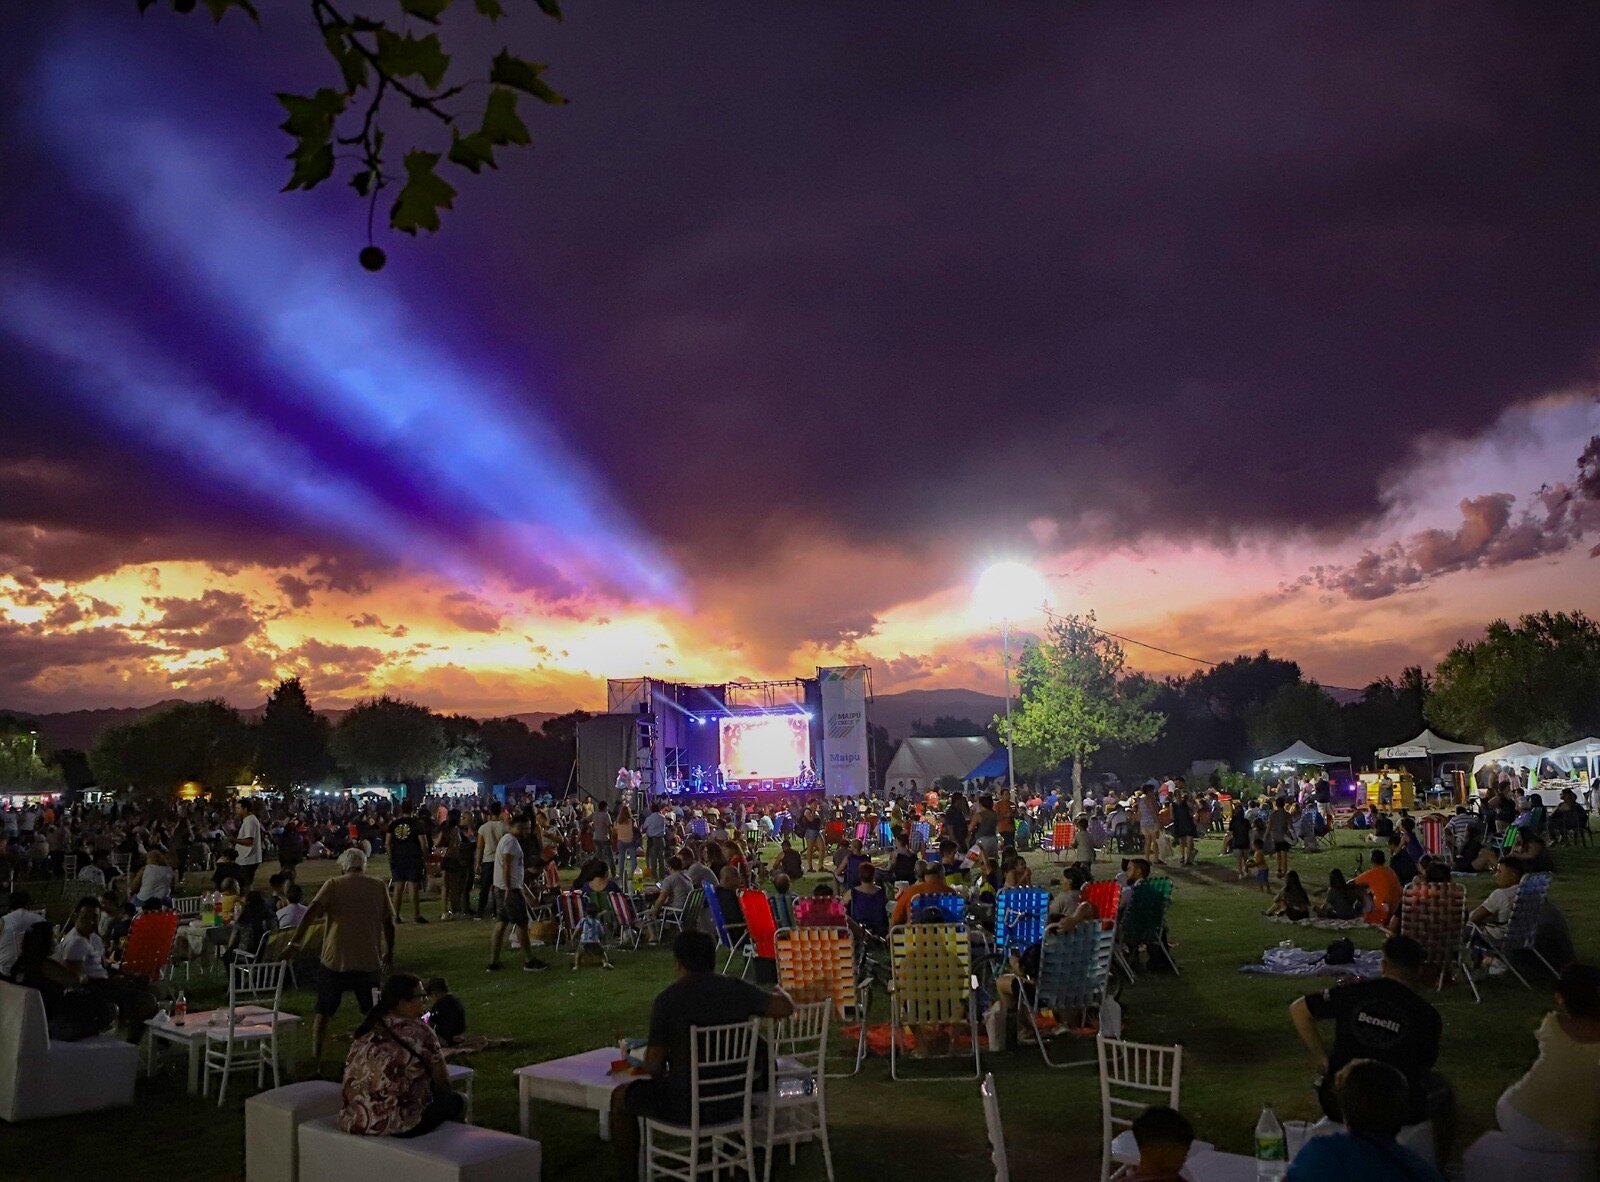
<point>578,1081</point>
<point>192,1036</point>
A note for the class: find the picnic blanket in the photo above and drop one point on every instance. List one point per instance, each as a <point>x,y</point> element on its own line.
<point>1309,962</point>
<point>1332,925</point>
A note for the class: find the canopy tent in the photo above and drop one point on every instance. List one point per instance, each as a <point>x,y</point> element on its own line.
<point>1301,752</point>
<point>921,761</point>
<point>1582,749</point>
<point>1426,746</point>
<point>1512,755</point>
<point>993,768</point>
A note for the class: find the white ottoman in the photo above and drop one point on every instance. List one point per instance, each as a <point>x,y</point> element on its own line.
<point>451,1153</point>
<point>272,1123</point>
<point>461,1081</point>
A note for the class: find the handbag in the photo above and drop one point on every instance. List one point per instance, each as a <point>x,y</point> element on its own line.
<point>1341,951</point>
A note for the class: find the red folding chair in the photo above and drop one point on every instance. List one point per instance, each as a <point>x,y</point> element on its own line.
<point>149,947</point>
<point>1105,897</point>
<point>759,923</point>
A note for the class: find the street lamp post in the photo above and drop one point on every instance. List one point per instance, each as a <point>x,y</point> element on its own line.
<point>1008,589</point>
<point>1005,650</point>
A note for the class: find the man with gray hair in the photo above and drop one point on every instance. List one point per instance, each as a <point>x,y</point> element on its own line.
<point>358,946</point>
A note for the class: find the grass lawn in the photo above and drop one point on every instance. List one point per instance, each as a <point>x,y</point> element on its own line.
<point>1240,1052</point>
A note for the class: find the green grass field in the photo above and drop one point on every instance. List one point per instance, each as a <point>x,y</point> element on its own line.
<point>1239,1052</point>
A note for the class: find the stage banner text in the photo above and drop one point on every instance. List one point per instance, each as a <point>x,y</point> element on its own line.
<point>844,730</point>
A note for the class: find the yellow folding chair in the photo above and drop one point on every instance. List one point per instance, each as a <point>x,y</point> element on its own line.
<point>931,984</point>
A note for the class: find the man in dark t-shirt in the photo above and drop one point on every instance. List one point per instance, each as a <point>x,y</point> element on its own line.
<point>406,840</point>
<point>1383,1019</point>
<point>699,997</point>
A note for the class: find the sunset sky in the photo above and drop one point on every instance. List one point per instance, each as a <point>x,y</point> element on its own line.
<point>1250,326</point>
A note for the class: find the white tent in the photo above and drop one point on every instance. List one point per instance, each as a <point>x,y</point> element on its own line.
<point>1300,752</point>
<point>924,760</point>
<point>1512,755</point>
<point>1426,746</point>
<point>1582,749</point>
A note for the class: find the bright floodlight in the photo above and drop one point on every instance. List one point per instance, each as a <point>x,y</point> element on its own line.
<point>1010,591</point>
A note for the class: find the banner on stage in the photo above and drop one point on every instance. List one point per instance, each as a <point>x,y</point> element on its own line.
<point>844,730</point>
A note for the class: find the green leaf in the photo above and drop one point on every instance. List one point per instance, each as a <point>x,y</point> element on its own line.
<point>424,195</point>
<point>310,122</point>
<point>428,10</point>
<point>351,64</point>
<point>219,9</point>
<point>500,122</point>
<point>472,152</point>
<point>492,9</point>
<point>521,75</point>
<point>413,57</point>
<point>550,8</point>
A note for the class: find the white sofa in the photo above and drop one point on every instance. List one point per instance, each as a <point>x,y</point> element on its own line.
<point>40,1077</point>
<point>1494,1157</point>
<point>451,1153</point>
<point>272,1121</point>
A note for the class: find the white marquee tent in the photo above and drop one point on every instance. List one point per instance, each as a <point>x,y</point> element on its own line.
<point>921,761</point>
<point>1582,749</point>
<point>1521,755</point>
<point>1426,746</point>
<point>1300,752</point>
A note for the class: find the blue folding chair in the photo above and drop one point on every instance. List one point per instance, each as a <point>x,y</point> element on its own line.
<point>951,905</point>
<point>1020,914</point>
<point>725,936</point>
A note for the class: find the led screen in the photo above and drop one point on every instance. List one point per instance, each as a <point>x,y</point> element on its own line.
<point>764,746</point>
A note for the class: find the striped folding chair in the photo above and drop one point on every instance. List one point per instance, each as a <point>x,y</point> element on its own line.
<point>827,911</point>
<point>1074,972</point>
<point>951,905</point>
<point>1434,914</point>
<point>1063,834</point>
<point>1019,917</point>
<point>1522,927</point>
<point>818,964</point>
<point>1146,922</point>
<point>726,936</point>
<point>629,929</point>
<point>931,987</point>
<point>920,833</point>
<point>570,912</point>
<point>782,910</point>
<point>1431,833</point>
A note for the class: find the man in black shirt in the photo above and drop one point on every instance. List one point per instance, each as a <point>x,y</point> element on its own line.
<point>407,834</point>
<point>699,997</point>
<point>1384,1019</point>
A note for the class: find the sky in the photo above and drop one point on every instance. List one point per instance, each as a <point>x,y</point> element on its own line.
<point>1248,326</point>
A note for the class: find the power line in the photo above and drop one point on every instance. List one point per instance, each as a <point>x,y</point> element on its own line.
<point>1169,652</point>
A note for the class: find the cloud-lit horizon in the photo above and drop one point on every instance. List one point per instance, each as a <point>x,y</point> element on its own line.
<point>1273,329</point>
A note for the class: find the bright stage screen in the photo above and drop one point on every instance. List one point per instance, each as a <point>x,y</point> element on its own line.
<point>764,746</point>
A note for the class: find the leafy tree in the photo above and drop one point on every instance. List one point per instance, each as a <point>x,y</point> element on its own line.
<point>1538,680</point>
<point>291,741</point>
<point>465,753</point>
<point>1077,698</point>
<point>23,766</point>
<point>1300,710</point>
<point>207,742</point>
<point>510,747</point>
<point>377,62</point>
<point>1389,711</point>
<point>391,741</point>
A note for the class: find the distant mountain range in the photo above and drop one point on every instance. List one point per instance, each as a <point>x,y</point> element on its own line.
<point>81,729</point>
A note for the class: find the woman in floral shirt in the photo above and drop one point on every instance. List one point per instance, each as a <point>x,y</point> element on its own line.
<point>395,1084</point>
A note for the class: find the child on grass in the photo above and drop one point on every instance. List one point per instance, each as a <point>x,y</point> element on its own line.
<point>1258,864</point>
<point>445,1013</point>
<point>591,938</point>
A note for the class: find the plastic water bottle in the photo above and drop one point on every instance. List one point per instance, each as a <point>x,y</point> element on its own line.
<point>1272,1148</point>
<point>181,1010</point>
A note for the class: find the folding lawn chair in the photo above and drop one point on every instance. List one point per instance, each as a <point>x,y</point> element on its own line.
<point>818,964</point>
<point>931,985</point>
<point>1074,972</point>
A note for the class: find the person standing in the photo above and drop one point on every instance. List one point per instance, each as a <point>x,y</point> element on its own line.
<point>489,835</point>
<point>1279,834</point>
<point>405,859</point>
<point>600,832</point>
<point>247,844</point>
<point>358,946</point>
<point>627,846</point>
<point>654,828</point>
<point>511,889</point>
<point>1184,828</point>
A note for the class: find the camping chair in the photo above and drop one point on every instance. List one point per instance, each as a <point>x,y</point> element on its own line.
<point>1435,916</point>
<point>931,984</point>
<point>247,1041</point>
<point>148,951</point>
<point>826,911</point>
<point>919,836</point>
<point>1020,914</point>
<point>1146,922</point>
<point>1522,927</point>
<point>950,904</point>
<point>1105,897</point>
<point>1074,971</point>
<point>818,964</point>
<point>725,935</point>
<point>1430,831</point>
<point>627,918</point>
<point>760,924</point>
<point>794,1108</point>
<point>782,909</point>
<point>1133,1076</point>
<point>720,1134</point>
<point>997,1132</point>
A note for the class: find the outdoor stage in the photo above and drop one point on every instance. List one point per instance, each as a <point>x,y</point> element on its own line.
<point>735,740</point>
